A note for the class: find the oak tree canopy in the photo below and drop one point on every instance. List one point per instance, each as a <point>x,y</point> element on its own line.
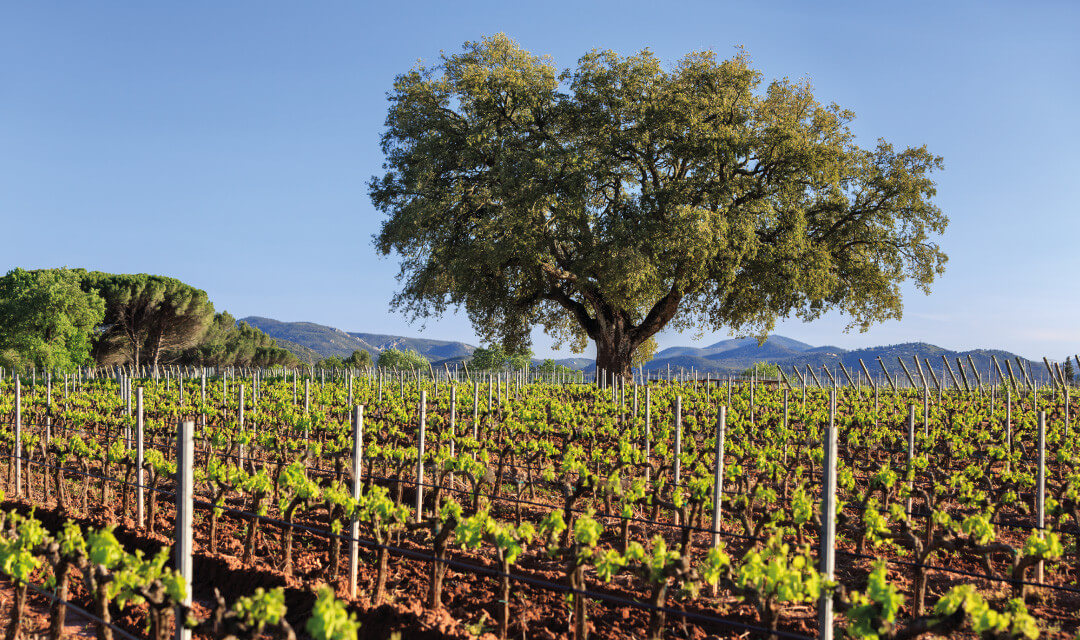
<point>609,201</point>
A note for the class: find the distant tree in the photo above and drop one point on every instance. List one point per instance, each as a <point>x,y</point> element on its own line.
<point>762,370</point>
<point>644,353</point>
<point>147,316</point>
<point>396,359</point>
<point>227,343</point>
<point>487,358</point>
<point>330,362</point>
<point>1068,371</point>
<point>46,319</point>
<point>609,201</point>
<point>549,366</point>
<point>496,357</point>
<point>360,359</point>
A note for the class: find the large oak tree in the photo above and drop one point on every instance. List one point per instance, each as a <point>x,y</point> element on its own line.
<point>612,200</point>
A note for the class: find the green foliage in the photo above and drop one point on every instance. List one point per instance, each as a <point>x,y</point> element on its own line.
<point>59,318</point>
<point>227,343</point>
<point>496,357</point>
<point>1017,622</point>
<point>261,609</point>
<point>360,359</point>
<point>396,359</point>
<point>644,352</point>
<point>147,316</point>
<point>330,620</point>
<point>762,370</point>
<point>46,319</point>
<point>17,554</point>
<point>610,200</point>
<point>775,572</point>
<point>549,366</point>
<point>875,608</point>
<point>333,362</point>
<point>507,539</point>
<point>1042,545</point>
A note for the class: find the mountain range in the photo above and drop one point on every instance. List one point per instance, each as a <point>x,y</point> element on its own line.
<point>310,342</point>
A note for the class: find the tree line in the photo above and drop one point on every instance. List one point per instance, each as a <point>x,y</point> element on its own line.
<point>66,318</point>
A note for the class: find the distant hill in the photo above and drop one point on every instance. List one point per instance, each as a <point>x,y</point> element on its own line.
<point>430,349</point>
<point>304,354</point>
<point>306,339</point>
<point>892,355</point>
<point>310,342</point>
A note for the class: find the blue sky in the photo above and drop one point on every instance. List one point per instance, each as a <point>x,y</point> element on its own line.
<point>228,143</point>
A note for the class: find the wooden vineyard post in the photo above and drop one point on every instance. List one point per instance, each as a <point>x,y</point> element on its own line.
<point>648,432</point>
<point>887,376</point>
<point>910,450</point>
<point>1008,426</point>
<point>718,479</point>
<point>476,411</point>
<point>848,376</point>
<point>751,401</point>
<point>307,395</point>
<point>785,424</point>
<point>357,466</point>
<point>185,466</point>
<point>975,373</point>
<point>140,492</point>
<point>16,446</point>
<point>350,388</point>
<point>47,436</point>
<point>202,397</point>
<point>1040,488</point>
<point>453,422</point>
<point>678,453</point>
<point>866,373</point>
<point>907,373</point>
<point>420,456</point>
<point>963,375</point>
<point>926,410</point>
<point>933,376</point>
<point>918,369</point>
<point>240,416</point>
<point>828,521</point>
<point>678,441</point>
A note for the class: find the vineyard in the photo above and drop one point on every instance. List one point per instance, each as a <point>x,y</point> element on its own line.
<point>271,503</point>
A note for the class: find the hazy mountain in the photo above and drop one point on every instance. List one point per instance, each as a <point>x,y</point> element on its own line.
<point>304,354</point>
<point>892,355</point>
<point>431,349</point>
<point>304,338</point>
<point>311,341</point>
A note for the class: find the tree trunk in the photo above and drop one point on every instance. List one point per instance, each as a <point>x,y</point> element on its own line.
<point>613,356</point>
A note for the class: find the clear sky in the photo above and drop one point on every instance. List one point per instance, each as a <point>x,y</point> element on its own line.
<point>228,143</point>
